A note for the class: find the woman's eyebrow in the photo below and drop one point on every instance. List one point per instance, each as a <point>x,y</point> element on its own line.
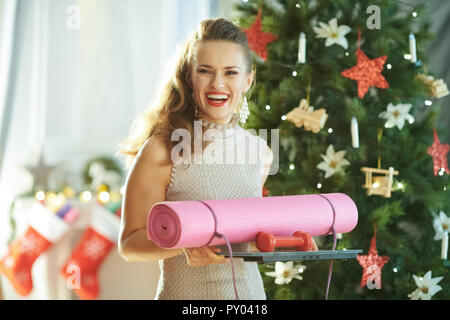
<point>208,66</point>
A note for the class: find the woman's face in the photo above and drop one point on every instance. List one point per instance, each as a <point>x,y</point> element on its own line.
<point>219,79</point>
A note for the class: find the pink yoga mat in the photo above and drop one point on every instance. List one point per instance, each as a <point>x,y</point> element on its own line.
<point>188,224</point>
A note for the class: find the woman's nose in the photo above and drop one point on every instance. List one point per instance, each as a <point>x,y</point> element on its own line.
<point>218,82</point>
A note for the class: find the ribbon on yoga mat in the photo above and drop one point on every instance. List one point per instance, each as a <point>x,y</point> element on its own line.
<point>190,224</point>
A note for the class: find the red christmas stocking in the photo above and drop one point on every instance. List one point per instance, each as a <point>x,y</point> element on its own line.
<point>81,269</point>
<point>45,228</point>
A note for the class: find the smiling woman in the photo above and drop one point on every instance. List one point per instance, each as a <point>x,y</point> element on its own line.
<point>220,78</point>
<point>213,73</point>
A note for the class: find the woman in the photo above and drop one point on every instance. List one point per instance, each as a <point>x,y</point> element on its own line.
<point>212,76</point>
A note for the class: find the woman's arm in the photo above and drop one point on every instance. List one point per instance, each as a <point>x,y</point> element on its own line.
<point>145,185</point>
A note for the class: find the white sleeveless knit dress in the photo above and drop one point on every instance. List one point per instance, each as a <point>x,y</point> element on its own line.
<point>216,180</point>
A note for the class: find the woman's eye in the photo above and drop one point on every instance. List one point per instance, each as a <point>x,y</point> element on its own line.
<point>203,70</point>
<point>231,72</point>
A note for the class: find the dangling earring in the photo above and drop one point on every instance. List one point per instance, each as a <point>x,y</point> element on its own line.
<point>243,111</point>
<point>196,108</point>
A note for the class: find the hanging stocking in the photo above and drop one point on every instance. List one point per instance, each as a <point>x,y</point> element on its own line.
<point>45,228</point>
<point>81,269</point>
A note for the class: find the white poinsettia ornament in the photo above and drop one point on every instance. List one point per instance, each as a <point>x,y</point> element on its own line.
<point>441,225</point>
<point>396,115</point>
<point>333,33</point>
<point>332,161</point>
<point>427,287</point>
<point>285,272</point>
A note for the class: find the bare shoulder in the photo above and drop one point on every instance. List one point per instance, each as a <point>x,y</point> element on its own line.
<point>150,172</point>
<point>268,155</point>
<point>155,151</point>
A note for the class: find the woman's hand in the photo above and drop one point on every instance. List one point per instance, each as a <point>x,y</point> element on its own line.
<point>203,256</point>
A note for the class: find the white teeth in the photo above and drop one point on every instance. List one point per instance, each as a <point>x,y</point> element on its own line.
<point>216,96</point>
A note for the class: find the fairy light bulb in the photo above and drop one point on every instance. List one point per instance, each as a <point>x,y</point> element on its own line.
<point>40,195</point>
<point>86,196</point>
<point>267,107</point>
<point>103,197</point>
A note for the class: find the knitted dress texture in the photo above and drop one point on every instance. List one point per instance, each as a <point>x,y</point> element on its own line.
<point>216,177</point>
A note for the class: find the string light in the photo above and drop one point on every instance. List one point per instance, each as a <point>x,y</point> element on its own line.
<point>69,192</point>
<point>428,103</point>
<point>283,117</point>
<point>294,73</point>
<point>40,195</point>
<point>389,66</point>
<point>267,107</point>
<point>86,196</point>
<point>407,56</point>
<point>291,166</point>
<point>103,197</point>
<point>330,130</point>
<point>414,14</point>
<point>297,5</point>
<point>319,185</point>
<point>395,269</point>
<point>346,53</point>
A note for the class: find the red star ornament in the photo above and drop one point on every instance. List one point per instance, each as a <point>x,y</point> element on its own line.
<point>367,73</point>
<point>257,38</point>
<point>439,153</point>
<point>372,264</point>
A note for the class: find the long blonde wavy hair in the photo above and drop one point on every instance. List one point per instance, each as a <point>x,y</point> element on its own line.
<point>175,106</point>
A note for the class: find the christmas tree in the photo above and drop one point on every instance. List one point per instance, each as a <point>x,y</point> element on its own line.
<point>347,85</point>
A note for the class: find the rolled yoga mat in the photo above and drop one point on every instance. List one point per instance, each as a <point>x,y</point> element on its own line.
<point>188,224</point>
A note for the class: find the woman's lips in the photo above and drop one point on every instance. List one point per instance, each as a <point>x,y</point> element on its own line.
<point>216,103</point>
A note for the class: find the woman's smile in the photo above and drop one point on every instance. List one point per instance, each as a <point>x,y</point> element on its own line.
<point>217,99</point>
